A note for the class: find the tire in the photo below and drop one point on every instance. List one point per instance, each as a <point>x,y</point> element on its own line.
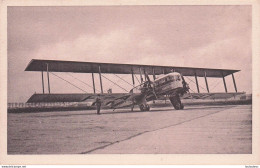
<point>147,108</point>
<point>182,106</point>
<point>144,107</point>
<point>177,105</point>
<point>141,106</point>
<point>176,102</point>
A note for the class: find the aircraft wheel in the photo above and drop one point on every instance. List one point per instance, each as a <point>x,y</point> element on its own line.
<point>147,108</point>
<point>176,102</point>
<point>144,107</point>
<point>182,106</point>
<point>177,106</point>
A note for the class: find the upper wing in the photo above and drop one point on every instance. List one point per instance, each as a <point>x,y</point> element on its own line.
<point>94,67</point>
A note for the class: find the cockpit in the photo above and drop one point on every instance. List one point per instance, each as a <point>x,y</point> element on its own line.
<point>174,76</point>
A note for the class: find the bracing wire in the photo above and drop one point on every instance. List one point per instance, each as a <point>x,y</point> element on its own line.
<point>195,83</point>
<point>216,85</point>
<point>137,79</point>
<point>114,83</point>
<point>123,79</point>
<point>188,82</point>
<point>192,90</point>
<point>68,82</point>
<point>82,82</point>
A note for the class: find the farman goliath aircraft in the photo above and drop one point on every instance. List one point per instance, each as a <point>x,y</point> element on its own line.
<point>170,83</point>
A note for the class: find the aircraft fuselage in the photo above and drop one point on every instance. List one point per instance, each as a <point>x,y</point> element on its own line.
<point>164,85</point>
<point>171,85</point>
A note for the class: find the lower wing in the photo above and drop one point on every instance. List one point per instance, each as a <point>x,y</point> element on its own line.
<point>211,95</point>
<point>80,97</point>
<point>113,100</point>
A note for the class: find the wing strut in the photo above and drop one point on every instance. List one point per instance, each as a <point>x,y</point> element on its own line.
<point>133,79</point>
<point>93,80</point>
<point>235,86</point>
<point>49,89</point>
<point>145,77</point>
<point>141,75</point>
<point>100,78</point>
<point>42,83</point>
<point>205,76</point>
<point>224,83</point>
<point>197,84</point>
<point>154,74</point>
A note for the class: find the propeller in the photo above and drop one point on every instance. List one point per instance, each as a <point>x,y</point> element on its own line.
<point>150,85</point>
<point>185,84</point>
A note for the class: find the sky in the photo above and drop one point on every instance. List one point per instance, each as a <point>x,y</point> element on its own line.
<point>194,36</point>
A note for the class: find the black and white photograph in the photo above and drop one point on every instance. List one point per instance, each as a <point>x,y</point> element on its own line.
<point>129,79</point>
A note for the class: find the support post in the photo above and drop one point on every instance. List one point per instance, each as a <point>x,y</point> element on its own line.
<point>235,86</point>
<point>145,77</point>
<point>42,83</point>
<point>205,75</point>
<point>100,78</point>
<point>197,84</point>
<point>93,80</point>
<point>141,75</point>
<point>133,79</point>
<point>49,89</point>
<point>224,83</point>
<point>154,74</point>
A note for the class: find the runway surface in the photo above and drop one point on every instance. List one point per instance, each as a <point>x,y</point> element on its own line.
<point>194,130</point>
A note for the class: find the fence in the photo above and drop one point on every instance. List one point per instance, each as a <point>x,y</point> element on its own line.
<point>51,104</point>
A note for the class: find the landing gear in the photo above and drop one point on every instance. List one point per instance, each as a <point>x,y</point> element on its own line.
<point>176,102</point>
<point>144,107</point>
<point>132,108</point>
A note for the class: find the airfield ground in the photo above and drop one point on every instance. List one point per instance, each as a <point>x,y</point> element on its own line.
<point>195,130</point>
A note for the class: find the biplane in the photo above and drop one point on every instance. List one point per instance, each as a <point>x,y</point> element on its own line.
<point>168,81</point>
